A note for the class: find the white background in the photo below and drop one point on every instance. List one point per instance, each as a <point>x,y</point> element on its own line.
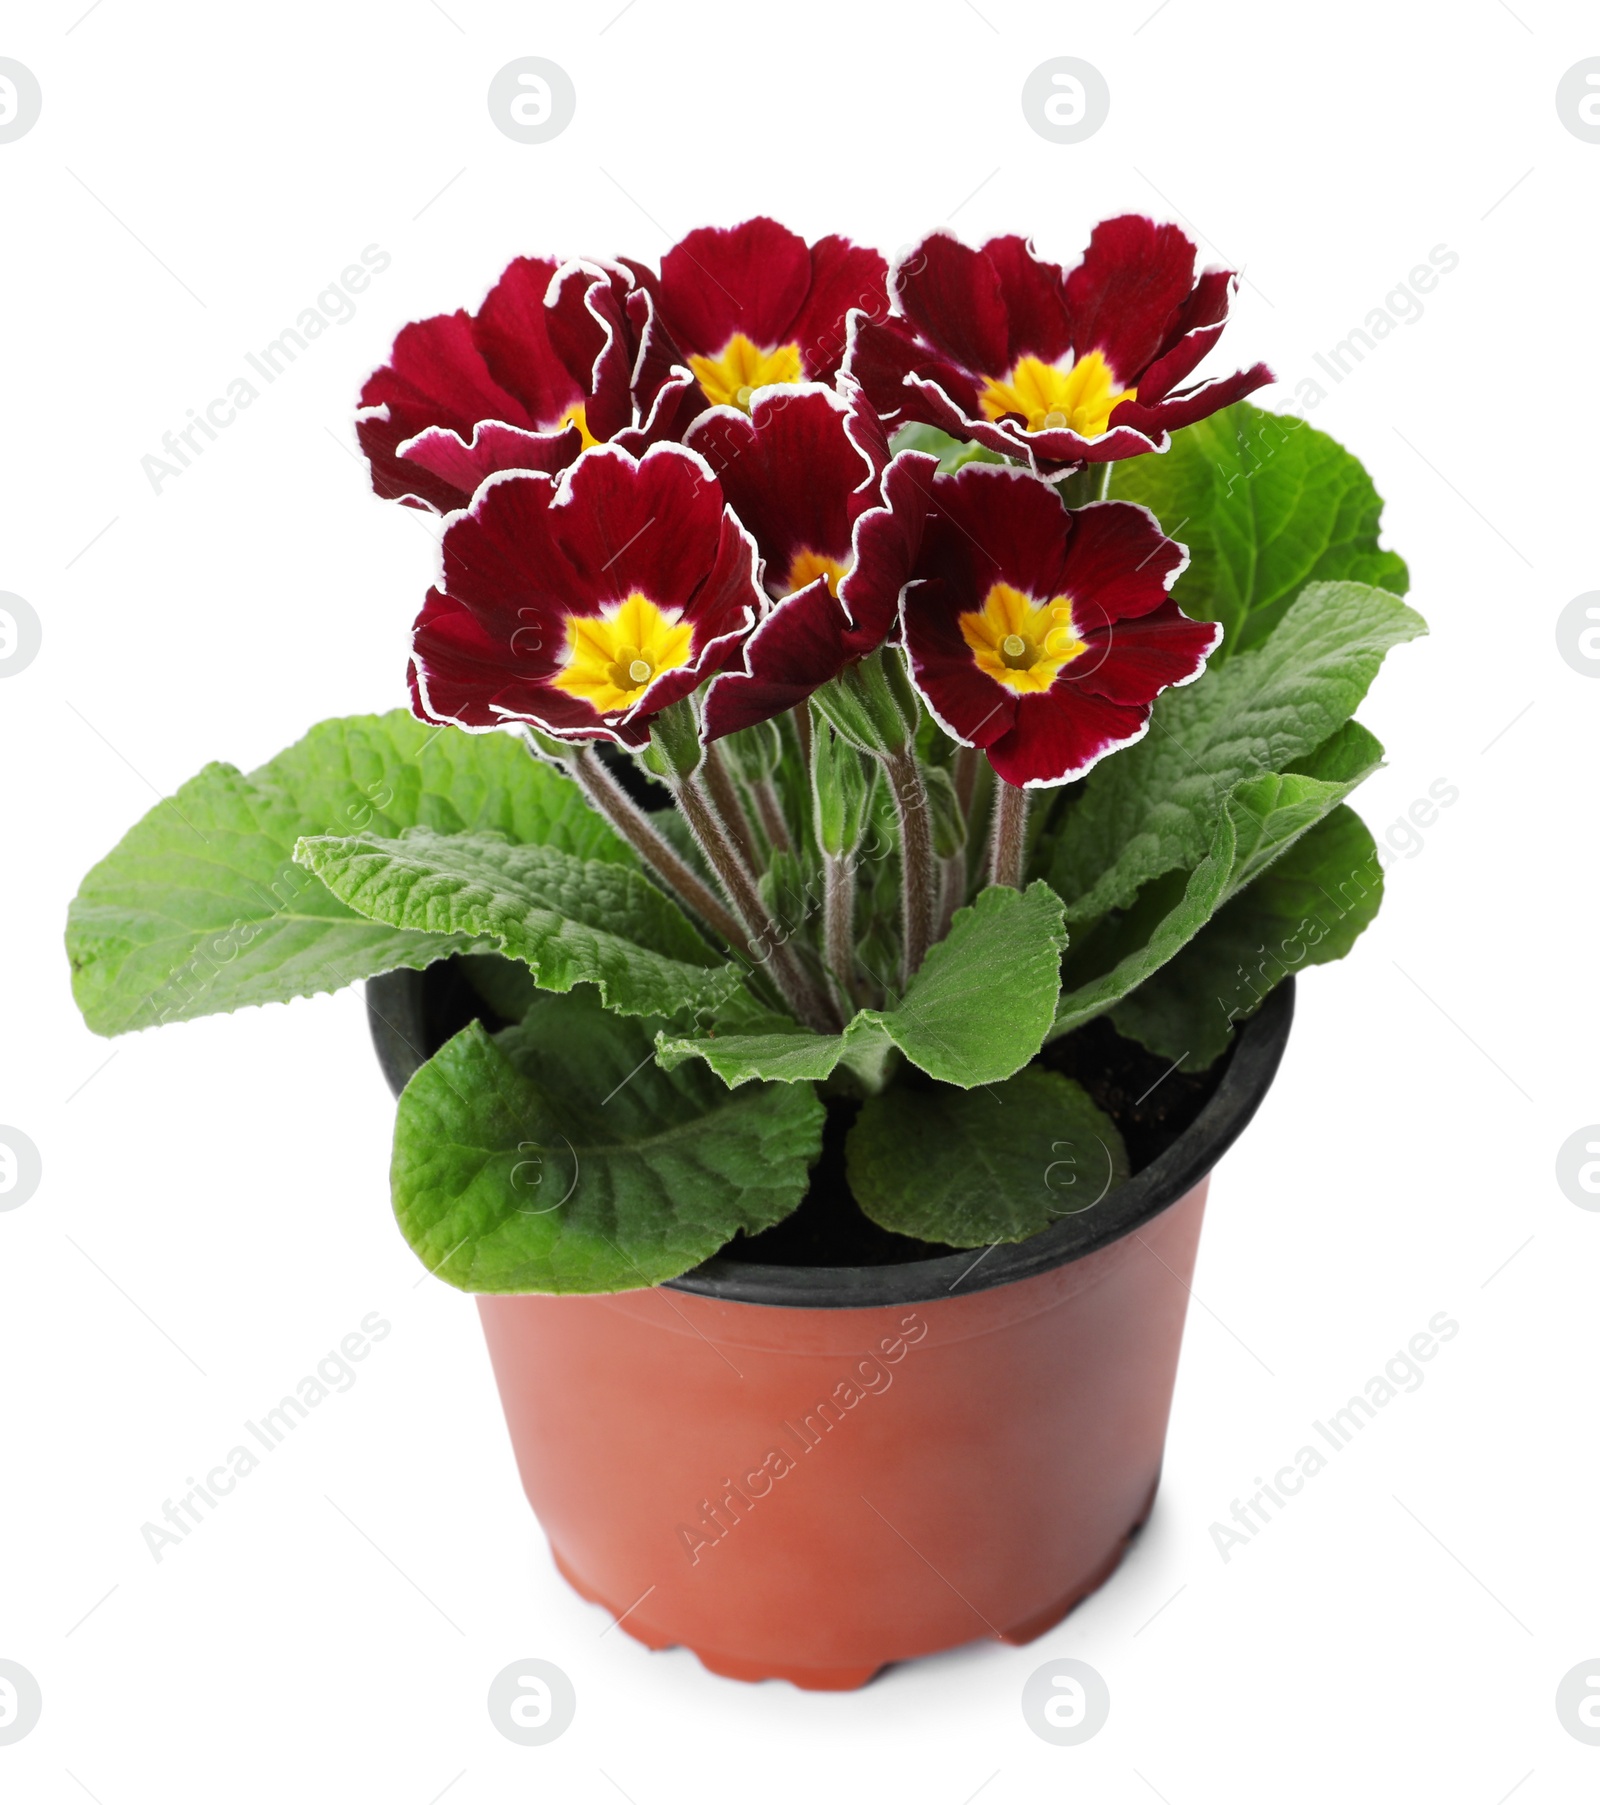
<point>198,175</point>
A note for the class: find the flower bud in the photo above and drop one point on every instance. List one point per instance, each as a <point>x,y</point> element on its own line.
<point>754,752</point>
<point>839,787</point>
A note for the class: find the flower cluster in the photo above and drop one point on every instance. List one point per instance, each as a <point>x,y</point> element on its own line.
<point>663,483</point>
<point>674,509</point>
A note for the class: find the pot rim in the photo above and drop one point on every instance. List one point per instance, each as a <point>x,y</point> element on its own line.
<point>396,1023</point>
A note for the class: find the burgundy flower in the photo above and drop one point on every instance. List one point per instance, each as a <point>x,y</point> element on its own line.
<point>558,358</point>
<point>753,304</point>
<point>588,602</point>
<point>1044,634</point>
<point>837,523</point>
<point>1058,367</point>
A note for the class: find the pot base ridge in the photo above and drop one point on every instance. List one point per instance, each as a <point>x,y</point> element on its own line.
<point>835,1679</point>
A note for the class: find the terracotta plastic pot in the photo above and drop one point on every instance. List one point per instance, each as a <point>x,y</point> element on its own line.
<point>809,1472</point>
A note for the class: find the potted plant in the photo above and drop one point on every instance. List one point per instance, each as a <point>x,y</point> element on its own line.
<point>832,900</point>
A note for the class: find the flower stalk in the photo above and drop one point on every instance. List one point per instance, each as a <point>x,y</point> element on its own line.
<point>1009,841</point>
<point>839,927</point>
<point>918,876</point>
<point>724,793</point>
<point>769,809</point>
<point>676,744</point>
<point>797,989</point>
<point>618,807</point>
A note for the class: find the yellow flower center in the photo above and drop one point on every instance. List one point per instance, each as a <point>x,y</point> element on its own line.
<point>739,368</point>
<point>614,656</point>
<point>809,565</point>
<point>1046,395</point>
<point>577,415</point>
<point>1021,643</point>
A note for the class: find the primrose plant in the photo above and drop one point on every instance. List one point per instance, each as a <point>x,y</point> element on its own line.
<point>815,720</point>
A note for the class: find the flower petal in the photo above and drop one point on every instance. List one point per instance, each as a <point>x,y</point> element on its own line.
<point>585,316</point>
<point>1036,314</point>
<point>792,472</point>
<point>1051,744</point>
<point>799,646</point>
<point>951,294</point>
<point>1125,296</point>
<point>1197,328</point>
<point>512,333</point>
<point>844,277</point>
<point>460,466</point>
<point>990,523</point>
<point>1131,661</point>
<point>887,540</point>
<point>463,675</point>
<point>652,524</point>
<point>1197,403</point>
<point>750,278</point>
<point>1119,562</point>
<point>903,377</point>
<point>435,376</point>
<point>725,607</point>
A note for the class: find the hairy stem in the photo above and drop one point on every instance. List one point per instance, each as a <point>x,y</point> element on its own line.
<point>952,889</point>
<point>964,773</point>
<point>955,869</point>
<point>800,714</point>
<point>1007,846</point>
<point>797,989</point>
<point>725,794</point>
<point>839,927</point>
<point>636,827</point>
<point>770,809</point>
<point>918,892</point>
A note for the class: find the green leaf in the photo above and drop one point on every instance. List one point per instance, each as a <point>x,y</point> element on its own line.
<point>1350,754</point>
<point>556,1157</point>
<point>1123,953</point>
<point>201,908</point>
<point>1265,504</point>
<point>969,1168</point>
<point>1306,909</point>
<point>570,921</point>
<point>1264,816</point>
<point>1153,808</point>
<point>977,1011</point>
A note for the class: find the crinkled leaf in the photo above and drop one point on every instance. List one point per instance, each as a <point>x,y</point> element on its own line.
<point>1123,953</point>
<point>1264,817</point>
<point>1307,908</point>
<point>1153,808</point>
<point>201,908</point>
<point>1265,504</point>
<point>570,921</point>
<point>977,1011</point>
<point>969,1168</point>
<point>557,1157</point>
<point>1348,755</point>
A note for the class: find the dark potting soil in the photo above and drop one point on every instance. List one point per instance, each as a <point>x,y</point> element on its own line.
<point>1150,1103</point>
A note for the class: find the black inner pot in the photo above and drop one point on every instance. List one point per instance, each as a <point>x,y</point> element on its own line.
<point>828,1254</point>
